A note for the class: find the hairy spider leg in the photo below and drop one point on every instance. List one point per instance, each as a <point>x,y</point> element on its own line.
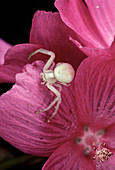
<point>57,99</point>
<point>44,51</point>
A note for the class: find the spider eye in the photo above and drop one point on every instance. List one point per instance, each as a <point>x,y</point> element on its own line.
<point>64,73</point>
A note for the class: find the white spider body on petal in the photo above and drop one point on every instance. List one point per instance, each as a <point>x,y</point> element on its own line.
<point>52,77</point>
<point>64,72</point>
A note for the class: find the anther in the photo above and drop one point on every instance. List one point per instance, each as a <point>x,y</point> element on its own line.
<point>102,153</point>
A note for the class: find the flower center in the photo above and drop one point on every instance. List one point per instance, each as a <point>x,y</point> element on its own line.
<point>93,145</point>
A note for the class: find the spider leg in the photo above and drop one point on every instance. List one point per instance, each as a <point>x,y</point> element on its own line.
<point>59,86</point>
<point>50,61</point>
<point>44,51</point>
<point>58,102</point>
<point>52,66</point>
<point>57,99</point>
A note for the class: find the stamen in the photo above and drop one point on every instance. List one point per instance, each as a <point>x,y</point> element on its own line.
<point>102,153</point>
<point>90,141</point>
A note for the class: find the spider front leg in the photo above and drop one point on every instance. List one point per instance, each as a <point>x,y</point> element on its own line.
<point>57,99</point>
<point>50,61</point>
<point>47,52</point>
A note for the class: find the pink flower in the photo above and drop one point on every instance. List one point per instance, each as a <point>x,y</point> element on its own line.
<point>27,95</point>
<point>81,134</point>
<point>49,32</point>
<point>93,21</point>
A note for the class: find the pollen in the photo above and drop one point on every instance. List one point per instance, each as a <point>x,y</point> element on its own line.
<point>102,153</point>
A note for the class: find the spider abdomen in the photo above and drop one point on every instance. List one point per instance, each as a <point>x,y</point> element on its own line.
<point>64,72</point>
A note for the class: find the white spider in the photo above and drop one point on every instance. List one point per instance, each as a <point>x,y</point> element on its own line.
<point>61,74</point>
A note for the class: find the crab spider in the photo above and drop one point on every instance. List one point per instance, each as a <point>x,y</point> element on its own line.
<point>53,77</point>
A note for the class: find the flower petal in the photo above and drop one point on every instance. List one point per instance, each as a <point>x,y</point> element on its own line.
<point>4,46</point>
<point>67,157</point>
<point>15,59</point>
<point>109,136</point>
<point>95,92</point>
<point>97,52</point>
<point>103,15</point>
<point>49,30</point>
<point>27,130</point>
<point>76,15</point>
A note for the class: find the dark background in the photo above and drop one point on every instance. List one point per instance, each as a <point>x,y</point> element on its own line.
<point>15,23</point>
<point>16,18</point>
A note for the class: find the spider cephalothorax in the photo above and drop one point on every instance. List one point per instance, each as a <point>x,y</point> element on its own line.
<point>55,76</point>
